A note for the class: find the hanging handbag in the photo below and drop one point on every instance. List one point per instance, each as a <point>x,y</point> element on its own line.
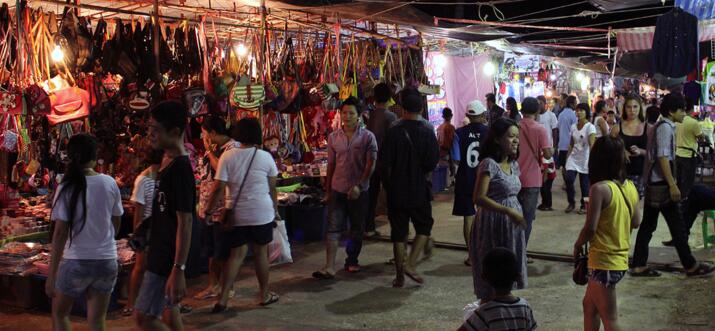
<point>580,271</point>
<point>195,100</point>
<point>38,102</point>
<point>68,104</point>
<point>10,103</point>
<point>228,217</point>
<point>249,96</point>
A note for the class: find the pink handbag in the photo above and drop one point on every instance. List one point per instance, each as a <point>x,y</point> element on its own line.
<point>68,105</point>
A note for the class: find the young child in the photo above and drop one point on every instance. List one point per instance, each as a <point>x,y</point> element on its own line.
<point>503,311</point>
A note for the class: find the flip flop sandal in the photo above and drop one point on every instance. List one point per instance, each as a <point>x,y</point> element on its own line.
<point>322,275</point>
<point>273,299</point>
<point>127,311</point>
<point>648,273</point>
<point>218,308</point>
<point>417,279</point>
<point>398,283</point>
<point>703,269</point>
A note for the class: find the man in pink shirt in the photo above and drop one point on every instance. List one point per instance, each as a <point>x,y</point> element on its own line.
<point>534,144</point>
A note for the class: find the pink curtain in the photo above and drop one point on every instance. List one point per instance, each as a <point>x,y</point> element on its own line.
<point>465,81</point>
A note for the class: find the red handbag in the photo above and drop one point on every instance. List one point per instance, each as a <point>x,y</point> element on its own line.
<point>38,102</point>
<point>68,104</point>
<point>10,103</point>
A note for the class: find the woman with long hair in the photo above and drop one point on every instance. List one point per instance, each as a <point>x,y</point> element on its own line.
<point>583,134</point>
<point>612,213</point>
<point>84,254</point>
<point>512,110</point>
<point>599,119</point>
<point>633,131</point>
<point>499,221</point>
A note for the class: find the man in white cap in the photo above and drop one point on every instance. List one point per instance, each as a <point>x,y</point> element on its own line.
<point>465,150</point>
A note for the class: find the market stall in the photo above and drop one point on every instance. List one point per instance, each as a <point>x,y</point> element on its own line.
<point>98,67</point>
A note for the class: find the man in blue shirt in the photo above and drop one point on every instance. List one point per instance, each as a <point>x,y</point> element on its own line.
<point>567,118</point>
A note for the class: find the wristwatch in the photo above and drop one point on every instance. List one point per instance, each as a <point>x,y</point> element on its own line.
<point>181,267</point>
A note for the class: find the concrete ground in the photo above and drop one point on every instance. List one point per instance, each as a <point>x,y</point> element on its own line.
<point>365,301</point>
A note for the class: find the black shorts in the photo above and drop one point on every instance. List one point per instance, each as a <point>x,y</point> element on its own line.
<point>242,235</point>
<point>213,243</point>
<point>400,218</point>
<point>463,205</point>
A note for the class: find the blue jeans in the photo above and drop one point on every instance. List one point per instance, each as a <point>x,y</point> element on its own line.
<point>570,180</point>
<point>528,198</point>
<point>76,277</point>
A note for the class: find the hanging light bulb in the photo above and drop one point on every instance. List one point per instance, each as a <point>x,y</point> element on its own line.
<point>552,77</point>
<point>579,76</point>
<point>57,54</point>
<point>489,68</point>
<point>549,94</point>
<point>241,50</point>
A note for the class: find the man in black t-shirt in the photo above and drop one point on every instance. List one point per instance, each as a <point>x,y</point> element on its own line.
<point>410,152</point>
<point>164,284</point>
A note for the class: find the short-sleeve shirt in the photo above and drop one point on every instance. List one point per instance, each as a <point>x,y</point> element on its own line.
<point>611,242</point>
<point>533,139</point>
<point>350,158</point>
<point>143,194</point>
<point>207,174</point>
<point>549,121</point>
<point>686,137</point>
<point>499,315</point>
<point>661,144</point>
<point>567,118</point>
<point>578,160</point>
<point>176,193</point>
<point>255,205</point>
<point>93,234</point>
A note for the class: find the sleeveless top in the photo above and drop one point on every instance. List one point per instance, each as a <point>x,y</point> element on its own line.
<point>635,166</point>
<point>610,244</point>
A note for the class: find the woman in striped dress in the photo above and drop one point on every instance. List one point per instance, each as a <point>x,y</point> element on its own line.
<point>499,221</point>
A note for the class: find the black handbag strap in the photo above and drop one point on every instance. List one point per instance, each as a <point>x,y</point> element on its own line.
<point>240,188</point>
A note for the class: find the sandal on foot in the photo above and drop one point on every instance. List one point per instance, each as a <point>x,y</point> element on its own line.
<point>127,311</point>
<point>703,269</point>
<point>272,298</point>
<point>323,275</point>
<point>415,277</point>
<point>648,273</point>
<point>219,308</point>
<point>397,283</point>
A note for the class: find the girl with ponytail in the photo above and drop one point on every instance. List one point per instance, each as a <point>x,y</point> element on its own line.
<point>86,211</point>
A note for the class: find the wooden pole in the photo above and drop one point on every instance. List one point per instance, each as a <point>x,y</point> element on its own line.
<point>157,40</point>
<point>262,57</point>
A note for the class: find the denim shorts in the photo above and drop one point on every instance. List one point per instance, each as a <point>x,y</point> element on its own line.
<point>152,299</point>
<point>607,278</point>
<point>76,277</point>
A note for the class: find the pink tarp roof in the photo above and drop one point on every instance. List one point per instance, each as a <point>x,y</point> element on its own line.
<point>641,39</point>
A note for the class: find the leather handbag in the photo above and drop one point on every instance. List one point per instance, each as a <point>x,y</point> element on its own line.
<point>68,104</point>
<point>580,271</point>
<point>228,217</point>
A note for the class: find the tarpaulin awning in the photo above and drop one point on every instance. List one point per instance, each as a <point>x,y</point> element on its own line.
<point>702,9</point>
<point>641,39</point>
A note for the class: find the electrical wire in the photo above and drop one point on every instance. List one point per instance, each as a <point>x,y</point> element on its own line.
<point>584,13</point>
<point>547,10</point>
<point>587,26</point>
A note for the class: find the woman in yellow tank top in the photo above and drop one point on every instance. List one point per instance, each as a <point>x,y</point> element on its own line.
<point>612,213</point>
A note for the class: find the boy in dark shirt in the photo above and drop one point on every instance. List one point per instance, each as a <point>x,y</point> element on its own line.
<point>164,284</point>
<point>410,152</point>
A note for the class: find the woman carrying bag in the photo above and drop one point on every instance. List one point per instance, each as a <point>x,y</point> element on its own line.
<point>248,176</point>
<point>612,213</point>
